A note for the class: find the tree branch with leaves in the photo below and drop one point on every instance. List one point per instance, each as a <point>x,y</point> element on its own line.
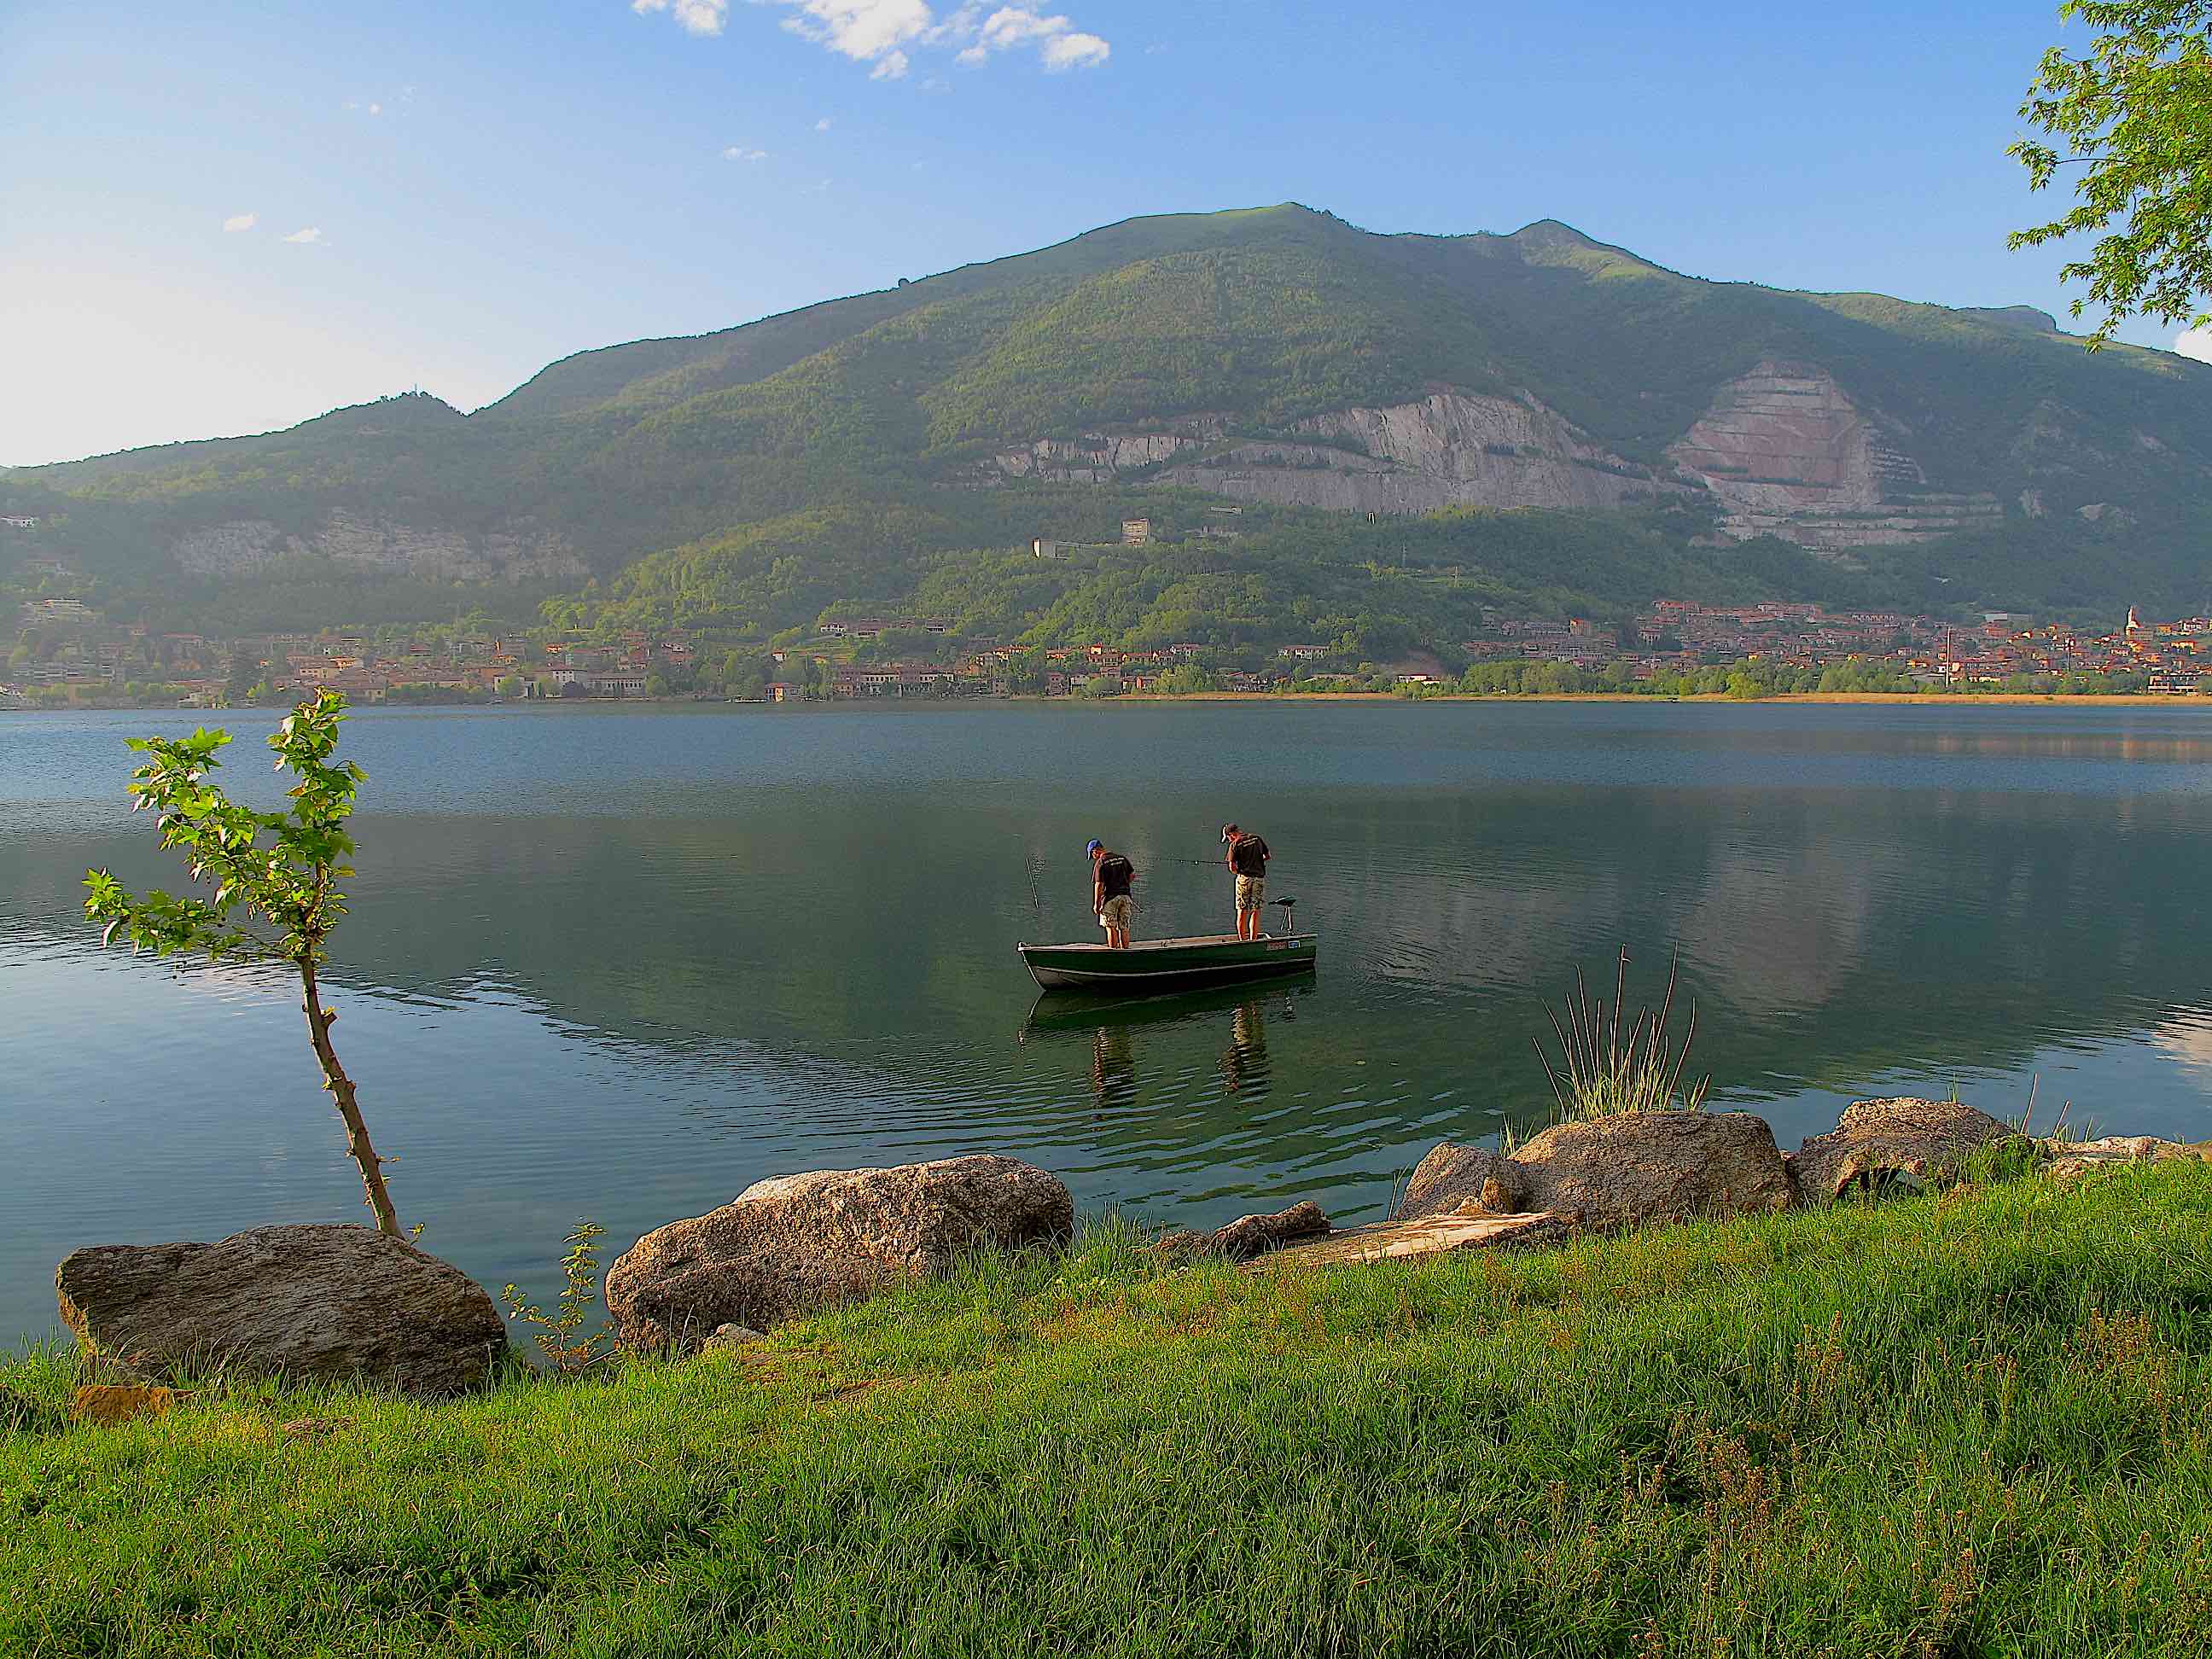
<point>2134,113</point>
<point>274,876</point>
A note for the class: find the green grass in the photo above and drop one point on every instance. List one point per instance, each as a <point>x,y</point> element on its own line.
<point>1972,1425</point>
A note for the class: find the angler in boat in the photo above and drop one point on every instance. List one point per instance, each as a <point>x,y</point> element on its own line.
<point>1112,875</point>
<point>1164,965</point>
<point>1247,860</point>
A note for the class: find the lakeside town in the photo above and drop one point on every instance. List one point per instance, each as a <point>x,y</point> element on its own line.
<point>66,653</point>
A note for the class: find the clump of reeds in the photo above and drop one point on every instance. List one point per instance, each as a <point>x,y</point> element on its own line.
<point>1612,1065</point>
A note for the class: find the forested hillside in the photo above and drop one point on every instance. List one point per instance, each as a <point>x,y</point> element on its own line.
<point>1410,425</point>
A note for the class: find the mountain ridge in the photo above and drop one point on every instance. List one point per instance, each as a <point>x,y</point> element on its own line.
<point>1276,358</point>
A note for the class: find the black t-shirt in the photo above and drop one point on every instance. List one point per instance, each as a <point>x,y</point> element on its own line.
<point>1115,875</point>
<point>1248,856</point>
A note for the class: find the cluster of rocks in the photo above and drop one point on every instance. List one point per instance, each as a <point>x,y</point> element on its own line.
<point>346,1303</point>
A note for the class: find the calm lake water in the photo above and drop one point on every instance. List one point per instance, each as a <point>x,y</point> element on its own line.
<point>619,962</point>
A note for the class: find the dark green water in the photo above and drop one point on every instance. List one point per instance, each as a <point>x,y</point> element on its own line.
<point>618,963</point>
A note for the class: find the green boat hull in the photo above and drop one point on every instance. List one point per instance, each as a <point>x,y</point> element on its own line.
<point>1160,964</point>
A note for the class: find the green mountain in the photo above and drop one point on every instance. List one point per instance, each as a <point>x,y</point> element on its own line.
<point>1376,433</point>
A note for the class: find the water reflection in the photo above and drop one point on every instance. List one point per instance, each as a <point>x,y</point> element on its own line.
<point>1113,1067</point>
<point>620,967</point>
<point>1237,1014</point>
<point>1243,1063</point>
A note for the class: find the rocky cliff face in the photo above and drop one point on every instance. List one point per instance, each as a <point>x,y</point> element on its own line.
<point>517,551</point>
<point>1783,449</point>
<point>1102,457</point>
<point>1448,450</point>
<point>1790,455</point>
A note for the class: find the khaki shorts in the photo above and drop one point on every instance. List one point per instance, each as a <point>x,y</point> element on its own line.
<point>1250,890</point>
<point>1117,913</point>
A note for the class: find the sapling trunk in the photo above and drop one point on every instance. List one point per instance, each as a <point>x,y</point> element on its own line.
<point>341,1091</point>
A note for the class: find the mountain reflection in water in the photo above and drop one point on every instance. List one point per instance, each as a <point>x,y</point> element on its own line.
<point>619,963</point>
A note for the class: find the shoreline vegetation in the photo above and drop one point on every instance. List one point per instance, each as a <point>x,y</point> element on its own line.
<point>1946,699</point>
<point>1964,1422</point>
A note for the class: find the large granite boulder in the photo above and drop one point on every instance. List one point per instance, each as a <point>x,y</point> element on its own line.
<point>788,1247</point>
<point>1611,1173</point>
<point>1453,1177</point>
<point>1639,1168</point>
<point>326,1303</point>
<point>1881,1144</point>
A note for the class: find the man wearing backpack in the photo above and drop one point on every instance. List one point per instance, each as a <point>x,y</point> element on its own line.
<point>1111,875</point>
<point>1247,861</point>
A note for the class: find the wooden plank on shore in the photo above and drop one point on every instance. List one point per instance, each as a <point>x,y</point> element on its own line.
<point>1435,1235</point>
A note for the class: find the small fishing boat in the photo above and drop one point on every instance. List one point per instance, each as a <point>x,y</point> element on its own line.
<point>1161,965</point>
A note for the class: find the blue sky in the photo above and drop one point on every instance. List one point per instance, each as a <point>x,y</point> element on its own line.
<point>227,216</point>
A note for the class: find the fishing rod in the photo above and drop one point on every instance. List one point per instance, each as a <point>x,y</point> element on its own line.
<point>1069,863</point>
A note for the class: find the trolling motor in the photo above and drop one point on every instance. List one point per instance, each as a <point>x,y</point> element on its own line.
<point>1290,922</point>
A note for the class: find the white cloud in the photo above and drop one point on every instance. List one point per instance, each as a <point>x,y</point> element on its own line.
<point>739,153</point>
<point>241,222</point>
<point>367,108</point>
<point>822,126</point>
<point>1012,24</point>
<point>1059,43</point>
<point>866,31</point>
<point>884,34</point>
<point>1076,51</point>
<point>2195,342</point>
<point>311,236</point>
<point>693,16</point>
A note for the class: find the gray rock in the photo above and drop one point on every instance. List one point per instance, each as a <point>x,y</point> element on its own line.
<point>731,1338</point>
<point>1905,1142</point>
<point>786,1248</point>
<point>320,1304</point>
<point>1250,1235</point>
<point>1644,1167</point>
<point>1452,1175</point>
<point>2070,1160</point>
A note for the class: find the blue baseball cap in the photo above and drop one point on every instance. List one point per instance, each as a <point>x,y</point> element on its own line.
<point>1093,847</point>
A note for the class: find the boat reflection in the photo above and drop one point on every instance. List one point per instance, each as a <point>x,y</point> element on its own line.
<point>1080,1011</point>
<point>1112,1022</point>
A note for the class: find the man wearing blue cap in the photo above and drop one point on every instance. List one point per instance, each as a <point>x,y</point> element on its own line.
<point>1111,877</point>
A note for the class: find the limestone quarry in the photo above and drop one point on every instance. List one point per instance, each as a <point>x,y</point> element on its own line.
<point>1782,449</point>
<point>1788,453</point>
<point>1450,449</point>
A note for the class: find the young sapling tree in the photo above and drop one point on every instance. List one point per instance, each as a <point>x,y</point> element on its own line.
<point>274,876</point>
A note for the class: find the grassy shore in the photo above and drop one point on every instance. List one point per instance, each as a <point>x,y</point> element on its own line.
<point>1972,1425</point>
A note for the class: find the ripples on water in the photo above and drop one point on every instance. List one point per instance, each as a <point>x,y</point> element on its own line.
<point>619,963</point>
